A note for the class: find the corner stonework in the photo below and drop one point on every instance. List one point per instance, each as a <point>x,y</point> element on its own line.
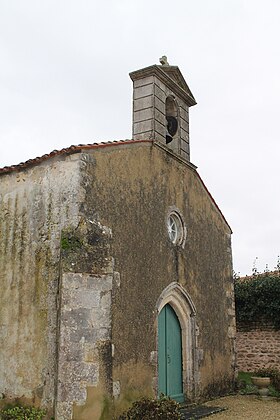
<point>85,325</point>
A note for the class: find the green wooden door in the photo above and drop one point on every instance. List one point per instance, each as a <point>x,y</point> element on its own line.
<point>170,355</point>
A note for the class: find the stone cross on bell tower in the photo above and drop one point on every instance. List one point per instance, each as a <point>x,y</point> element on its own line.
<point>161,101</point>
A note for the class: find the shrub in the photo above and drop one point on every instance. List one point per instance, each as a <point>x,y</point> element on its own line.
<point>22,413</point>
<point>258,300</point>
<point>156,409</point>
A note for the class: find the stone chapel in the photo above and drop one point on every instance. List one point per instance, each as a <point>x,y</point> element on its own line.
<point>116,268</point>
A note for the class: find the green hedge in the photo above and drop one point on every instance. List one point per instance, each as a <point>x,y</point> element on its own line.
<point>257,300</point>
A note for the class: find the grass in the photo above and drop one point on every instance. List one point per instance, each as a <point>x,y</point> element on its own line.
<point>245,377</point>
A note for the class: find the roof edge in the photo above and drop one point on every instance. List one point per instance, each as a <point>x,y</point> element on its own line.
<point>67,151</point>
<point>214,202</point>
<point>79,148</point>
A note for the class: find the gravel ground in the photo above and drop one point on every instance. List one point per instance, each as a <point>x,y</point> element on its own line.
<point>241,407</point>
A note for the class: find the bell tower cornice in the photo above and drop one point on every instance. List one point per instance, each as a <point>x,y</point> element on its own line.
<point>169,75</point>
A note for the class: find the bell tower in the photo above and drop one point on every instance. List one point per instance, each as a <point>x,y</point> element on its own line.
<point>161,101</point>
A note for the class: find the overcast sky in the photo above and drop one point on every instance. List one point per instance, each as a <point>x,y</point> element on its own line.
<point>64,80</point>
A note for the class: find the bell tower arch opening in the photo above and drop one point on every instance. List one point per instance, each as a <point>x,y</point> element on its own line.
<point>171,114</point>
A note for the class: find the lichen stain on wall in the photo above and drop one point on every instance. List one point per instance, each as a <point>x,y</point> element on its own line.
<point>137,200</point>
<point>135,382</point>
<point>31,218</point>
<point>53,226</point>
<point>98,406</point>
<point>215,374</point>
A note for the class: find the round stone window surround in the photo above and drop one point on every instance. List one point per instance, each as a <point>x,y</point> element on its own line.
<point>176,228</point>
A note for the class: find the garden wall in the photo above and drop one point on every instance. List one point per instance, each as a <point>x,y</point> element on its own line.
<point>257,347</point>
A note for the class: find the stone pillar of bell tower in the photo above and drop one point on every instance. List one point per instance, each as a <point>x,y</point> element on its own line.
<point>161,101</point>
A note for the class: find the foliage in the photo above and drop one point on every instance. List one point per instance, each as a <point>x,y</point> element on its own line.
<point>272,373</point>
<point>249,389</point>
<point>157,409</point>
<point>22,413</point>
<point>258,299</point>
<point>246,387</point>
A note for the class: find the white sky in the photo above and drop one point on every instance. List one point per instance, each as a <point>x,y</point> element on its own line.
<point>64,80</point>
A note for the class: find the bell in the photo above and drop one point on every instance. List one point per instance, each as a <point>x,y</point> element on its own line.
<point>168,138</point>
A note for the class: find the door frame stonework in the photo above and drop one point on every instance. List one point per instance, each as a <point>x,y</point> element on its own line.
<point>178,298</point>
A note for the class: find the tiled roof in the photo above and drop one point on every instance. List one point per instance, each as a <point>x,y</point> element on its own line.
<point>67,151</point>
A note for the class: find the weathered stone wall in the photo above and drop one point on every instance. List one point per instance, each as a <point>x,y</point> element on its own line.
<point>85,256</point>
<point>257,348</point>
<point>35,204</point>
<point>131,189</point>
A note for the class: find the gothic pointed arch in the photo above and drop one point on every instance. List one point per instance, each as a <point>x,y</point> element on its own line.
<point>179,299</point>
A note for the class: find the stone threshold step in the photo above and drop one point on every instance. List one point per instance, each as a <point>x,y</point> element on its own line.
<point>199,411</point>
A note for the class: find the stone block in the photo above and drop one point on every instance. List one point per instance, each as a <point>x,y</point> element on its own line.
<point>159,137</point>
<point>143,91</point>
<point>63,410</point>
<point>117,279</point>
<point>160,128</point>
<point>142,115</point>
<point>103,334</point>
<point>154,383</point>
<point>71,353</point>
<point>231,311</point>
<point>143,127</point>
<point>184,135</point>
<point>160,94</point>
<point>142,82</point>
<point>100,318</point>
<point>174,146</point>
<point>79,318</point>
<point>85,299</point>
<point>101,283</point>
<point>160,105</point>
<point>148,135</point>
<point>153,357</point>
<point>88,335</point>
<point>185,146</point>
<point>231,332</point>
<point>184,125</point>
<point>106,300</point>
<point>143,103</point>
<point>73,280</point>
<point>116,389</point>
<point>161,85</point>
<point>184,113</point>
<point>160,117</point>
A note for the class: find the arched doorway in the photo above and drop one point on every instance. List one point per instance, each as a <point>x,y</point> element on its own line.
<point>170,379</point>
<point>175,300</point>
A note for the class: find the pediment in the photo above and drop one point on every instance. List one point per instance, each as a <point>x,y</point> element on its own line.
<point>174,73</point>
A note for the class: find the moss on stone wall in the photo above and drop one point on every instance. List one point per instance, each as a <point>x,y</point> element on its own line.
<point>70,243</point>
